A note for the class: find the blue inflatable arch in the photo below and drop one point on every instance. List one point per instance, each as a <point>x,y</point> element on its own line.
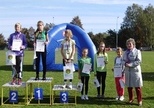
<point>82,39</point>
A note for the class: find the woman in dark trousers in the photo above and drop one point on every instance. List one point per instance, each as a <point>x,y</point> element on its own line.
<point>40,34</point>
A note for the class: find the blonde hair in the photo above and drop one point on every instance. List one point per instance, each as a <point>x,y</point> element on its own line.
<point>101,43</point>
<point>131,40</point>
<point>17,24</point>
<point>69,33</point>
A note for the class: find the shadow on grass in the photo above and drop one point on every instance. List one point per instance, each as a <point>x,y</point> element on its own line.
<point>149,98</point>
<point>148,76</point>
<point>25,68</point>
<point>99,101</point>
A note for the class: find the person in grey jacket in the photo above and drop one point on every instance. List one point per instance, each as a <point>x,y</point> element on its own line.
<point>132,59</point>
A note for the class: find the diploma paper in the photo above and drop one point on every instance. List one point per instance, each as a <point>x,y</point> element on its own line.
<point>100,62</point>
<point>118,71</point>
<point>40,46</point>
<point>86,68</point>
<point>16,44</point>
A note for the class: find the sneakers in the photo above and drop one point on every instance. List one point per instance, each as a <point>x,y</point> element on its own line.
<point>82,97</point>
<point>121,98</point>
<point>86,97</point>
<point>13,81</point>
<point>117,98</point>
<point>140,103</point>
<point>70,85</point>
<point>19,82</point>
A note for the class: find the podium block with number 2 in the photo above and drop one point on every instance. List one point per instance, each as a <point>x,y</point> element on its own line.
<point>13,96</point>
<point>38,93</point>
<point>63,97</point>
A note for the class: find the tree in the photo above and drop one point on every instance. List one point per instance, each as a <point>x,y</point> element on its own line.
<point>2,41</point>
<point>76,21</point>
<point>48,26</point>
<point>28,37</point>
<point>138,24</point>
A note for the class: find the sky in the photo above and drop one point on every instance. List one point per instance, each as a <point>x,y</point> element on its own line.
<point>96,15</point>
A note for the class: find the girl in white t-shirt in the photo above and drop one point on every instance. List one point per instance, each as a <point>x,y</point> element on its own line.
<point>119,75</point>
<point>67,52</point>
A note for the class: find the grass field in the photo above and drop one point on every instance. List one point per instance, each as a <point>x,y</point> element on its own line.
<point>93,102</point>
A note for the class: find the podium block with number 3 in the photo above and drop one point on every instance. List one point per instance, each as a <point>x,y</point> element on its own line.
<point>38,93</point>
<point>13,96</point>
<point>63,97</point>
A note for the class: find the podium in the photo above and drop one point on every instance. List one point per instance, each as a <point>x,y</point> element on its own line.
<point>59,88</point>
<point>15,98</point>
<point>36,96</point>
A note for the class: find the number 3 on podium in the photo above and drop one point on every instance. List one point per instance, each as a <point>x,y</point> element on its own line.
<point>38,93</point>
<point>63,97</point>
<point>13,96</point>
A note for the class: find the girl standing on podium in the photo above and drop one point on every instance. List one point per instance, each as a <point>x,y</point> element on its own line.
<point>84,77</point>
<point>40,35</point>
<point>67,52</point>
<point>19,54</point>
<point>100,69</point>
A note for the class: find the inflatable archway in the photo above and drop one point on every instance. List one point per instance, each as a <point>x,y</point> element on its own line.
<point>54,58</point>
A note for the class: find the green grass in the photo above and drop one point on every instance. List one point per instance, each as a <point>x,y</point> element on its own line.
<point>110,92</point>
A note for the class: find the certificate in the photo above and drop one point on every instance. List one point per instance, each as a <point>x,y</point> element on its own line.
<point>40,46</point>
<point>117,71</point>
<point>16,44</point>
<point>86,68</point>
<point>100,62</point>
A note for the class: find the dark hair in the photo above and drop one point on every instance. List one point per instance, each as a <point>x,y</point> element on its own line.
<point>99,48</point>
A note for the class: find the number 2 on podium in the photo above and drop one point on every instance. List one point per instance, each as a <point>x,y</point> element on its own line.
<point>13,96</point>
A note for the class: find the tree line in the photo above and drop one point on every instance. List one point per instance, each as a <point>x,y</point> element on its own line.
<point>138,23</point>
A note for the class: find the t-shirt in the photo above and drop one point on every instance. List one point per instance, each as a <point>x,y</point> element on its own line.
<point>67,47</point>
<point>41,35</point>
<point>81,64</point>
<point>100,69</point>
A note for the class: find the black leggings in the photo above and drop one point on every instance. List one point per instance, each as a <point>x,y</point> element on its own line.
<point>85,81</point>
<point>43,54</point>
<point>101,76</point>
<point>17,67</point>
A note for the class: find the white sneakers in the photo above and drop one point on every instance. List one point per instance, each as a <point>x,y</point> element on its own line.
<point>121,98</point>
<point>69,86</point>
<point>84,97</point>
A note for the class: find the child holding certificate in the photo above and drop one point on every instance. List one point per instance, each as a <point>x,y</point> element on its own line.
<point>17,43</point>
<point>100,69</point>
<point>119,74</point>
<point>67,52</point>
<point>40,42</point>
<point>84,72</point>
